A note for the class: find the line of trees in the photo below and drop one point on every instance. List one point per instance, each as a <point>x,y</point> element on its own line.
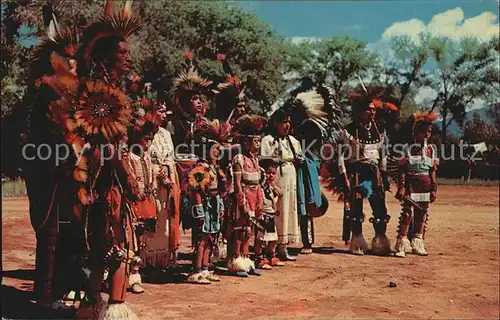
<point>459,71</point>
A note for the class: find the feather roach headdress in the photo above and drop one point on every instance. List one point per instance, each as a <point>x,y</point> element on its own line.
<point>120,25</point>
<point>249,126</point>
<point>188,83</point>
<point>230,93</point>
<point>53,60</point>
<point>421,119</point>
<point>380,97</point>
<point>210,131</point>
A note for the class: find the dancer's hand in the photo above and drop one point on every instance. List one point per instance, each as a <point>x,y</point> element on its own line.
<point>299,159</point>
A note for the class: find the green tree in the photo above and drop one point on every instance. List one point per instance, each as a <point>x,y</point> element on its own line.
<point>404,72</point>
<point>333,62</point>
<point>207,29</point>
<point>477,130</point>
<point>467,70</point>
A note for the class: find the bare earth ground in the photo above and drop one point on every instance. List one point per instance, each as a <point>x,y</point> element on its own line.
<point>459,279</point>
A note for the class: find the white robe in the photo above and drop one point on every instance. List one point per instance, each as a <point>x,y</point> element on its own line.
<point>287,223</point>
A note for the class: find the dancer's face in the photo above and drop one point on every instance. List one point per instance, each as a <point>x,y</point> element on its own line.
<point>369,113</point>
<point>254,145</point>
<point>423,133</point>
<point>122,58</point>
<point>199,104</point>
<point>215,152</point>
<point>145,141</point>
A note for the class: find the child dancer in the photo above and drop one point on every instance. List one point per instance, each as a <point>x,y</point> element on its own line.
<point>207,185</point>
<point>266,219</point>
<point>249,197</point>
<point>416,186</point>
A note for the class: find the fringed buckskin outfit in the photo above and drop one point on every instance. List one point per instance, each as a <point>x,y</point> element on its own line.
<point>168,198</point>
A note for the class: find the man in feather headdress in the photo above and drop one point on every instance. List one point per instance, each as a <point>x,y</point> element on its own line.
<point>415,174</point>
<point>95,118</point>
<point>363,166</point>
<point>191,100</point>
<point>52,72</point>
<point>231,101</point>
<point>315,121</point>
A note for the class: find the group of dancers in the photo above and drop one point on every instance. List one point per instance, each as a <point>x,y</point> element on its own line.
<point>139,170</point>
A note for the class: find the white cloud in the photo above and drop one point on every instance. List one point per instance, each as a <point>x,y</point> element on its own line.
<point>425,95</point>
<point>298,40</point>
<point>477,104</point>
<point>450,23</point>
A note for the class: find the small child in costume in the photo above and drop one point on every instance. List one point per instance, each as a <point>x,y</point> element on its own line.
<point>267,233</point>
<point>207,186</point>
<point>249,196</point>
<point>416,177</point>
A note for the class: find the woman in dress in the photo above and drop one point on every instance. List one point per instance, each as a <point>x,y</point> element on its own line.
<point>168,197</point>
<point>280,144</point>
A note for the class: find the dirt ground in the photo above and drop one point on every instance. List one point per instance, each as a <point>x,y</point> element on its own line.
<point>459,278</point>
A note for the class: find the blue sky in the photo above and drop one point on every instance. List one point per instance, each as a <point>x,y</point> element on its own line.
<point>365,20</point>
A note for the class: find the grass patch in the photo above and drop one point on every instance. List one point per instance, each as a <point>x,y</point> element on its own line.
<point>14,188</point>
<point>472,182</point>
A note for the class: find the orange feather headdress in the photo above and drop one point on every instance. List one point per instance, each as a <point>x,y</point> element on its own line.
<point>210,131</point>
<point>51,61</point>
<point>120,24</point>
<point>423,118</point>
<point>378,96</point>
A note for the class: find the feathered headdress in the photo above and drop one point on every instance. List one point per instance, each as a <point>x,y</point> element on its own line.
<point>378,96</point>
<point>188,83</point>
<point>51,61</point>
<point>317,106</point>
<point>210,131</point>
<point>249,126</point>
<point>423,118</point>
<point>230,93</point>
<point>120,24</point>
<point>387,105</point>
